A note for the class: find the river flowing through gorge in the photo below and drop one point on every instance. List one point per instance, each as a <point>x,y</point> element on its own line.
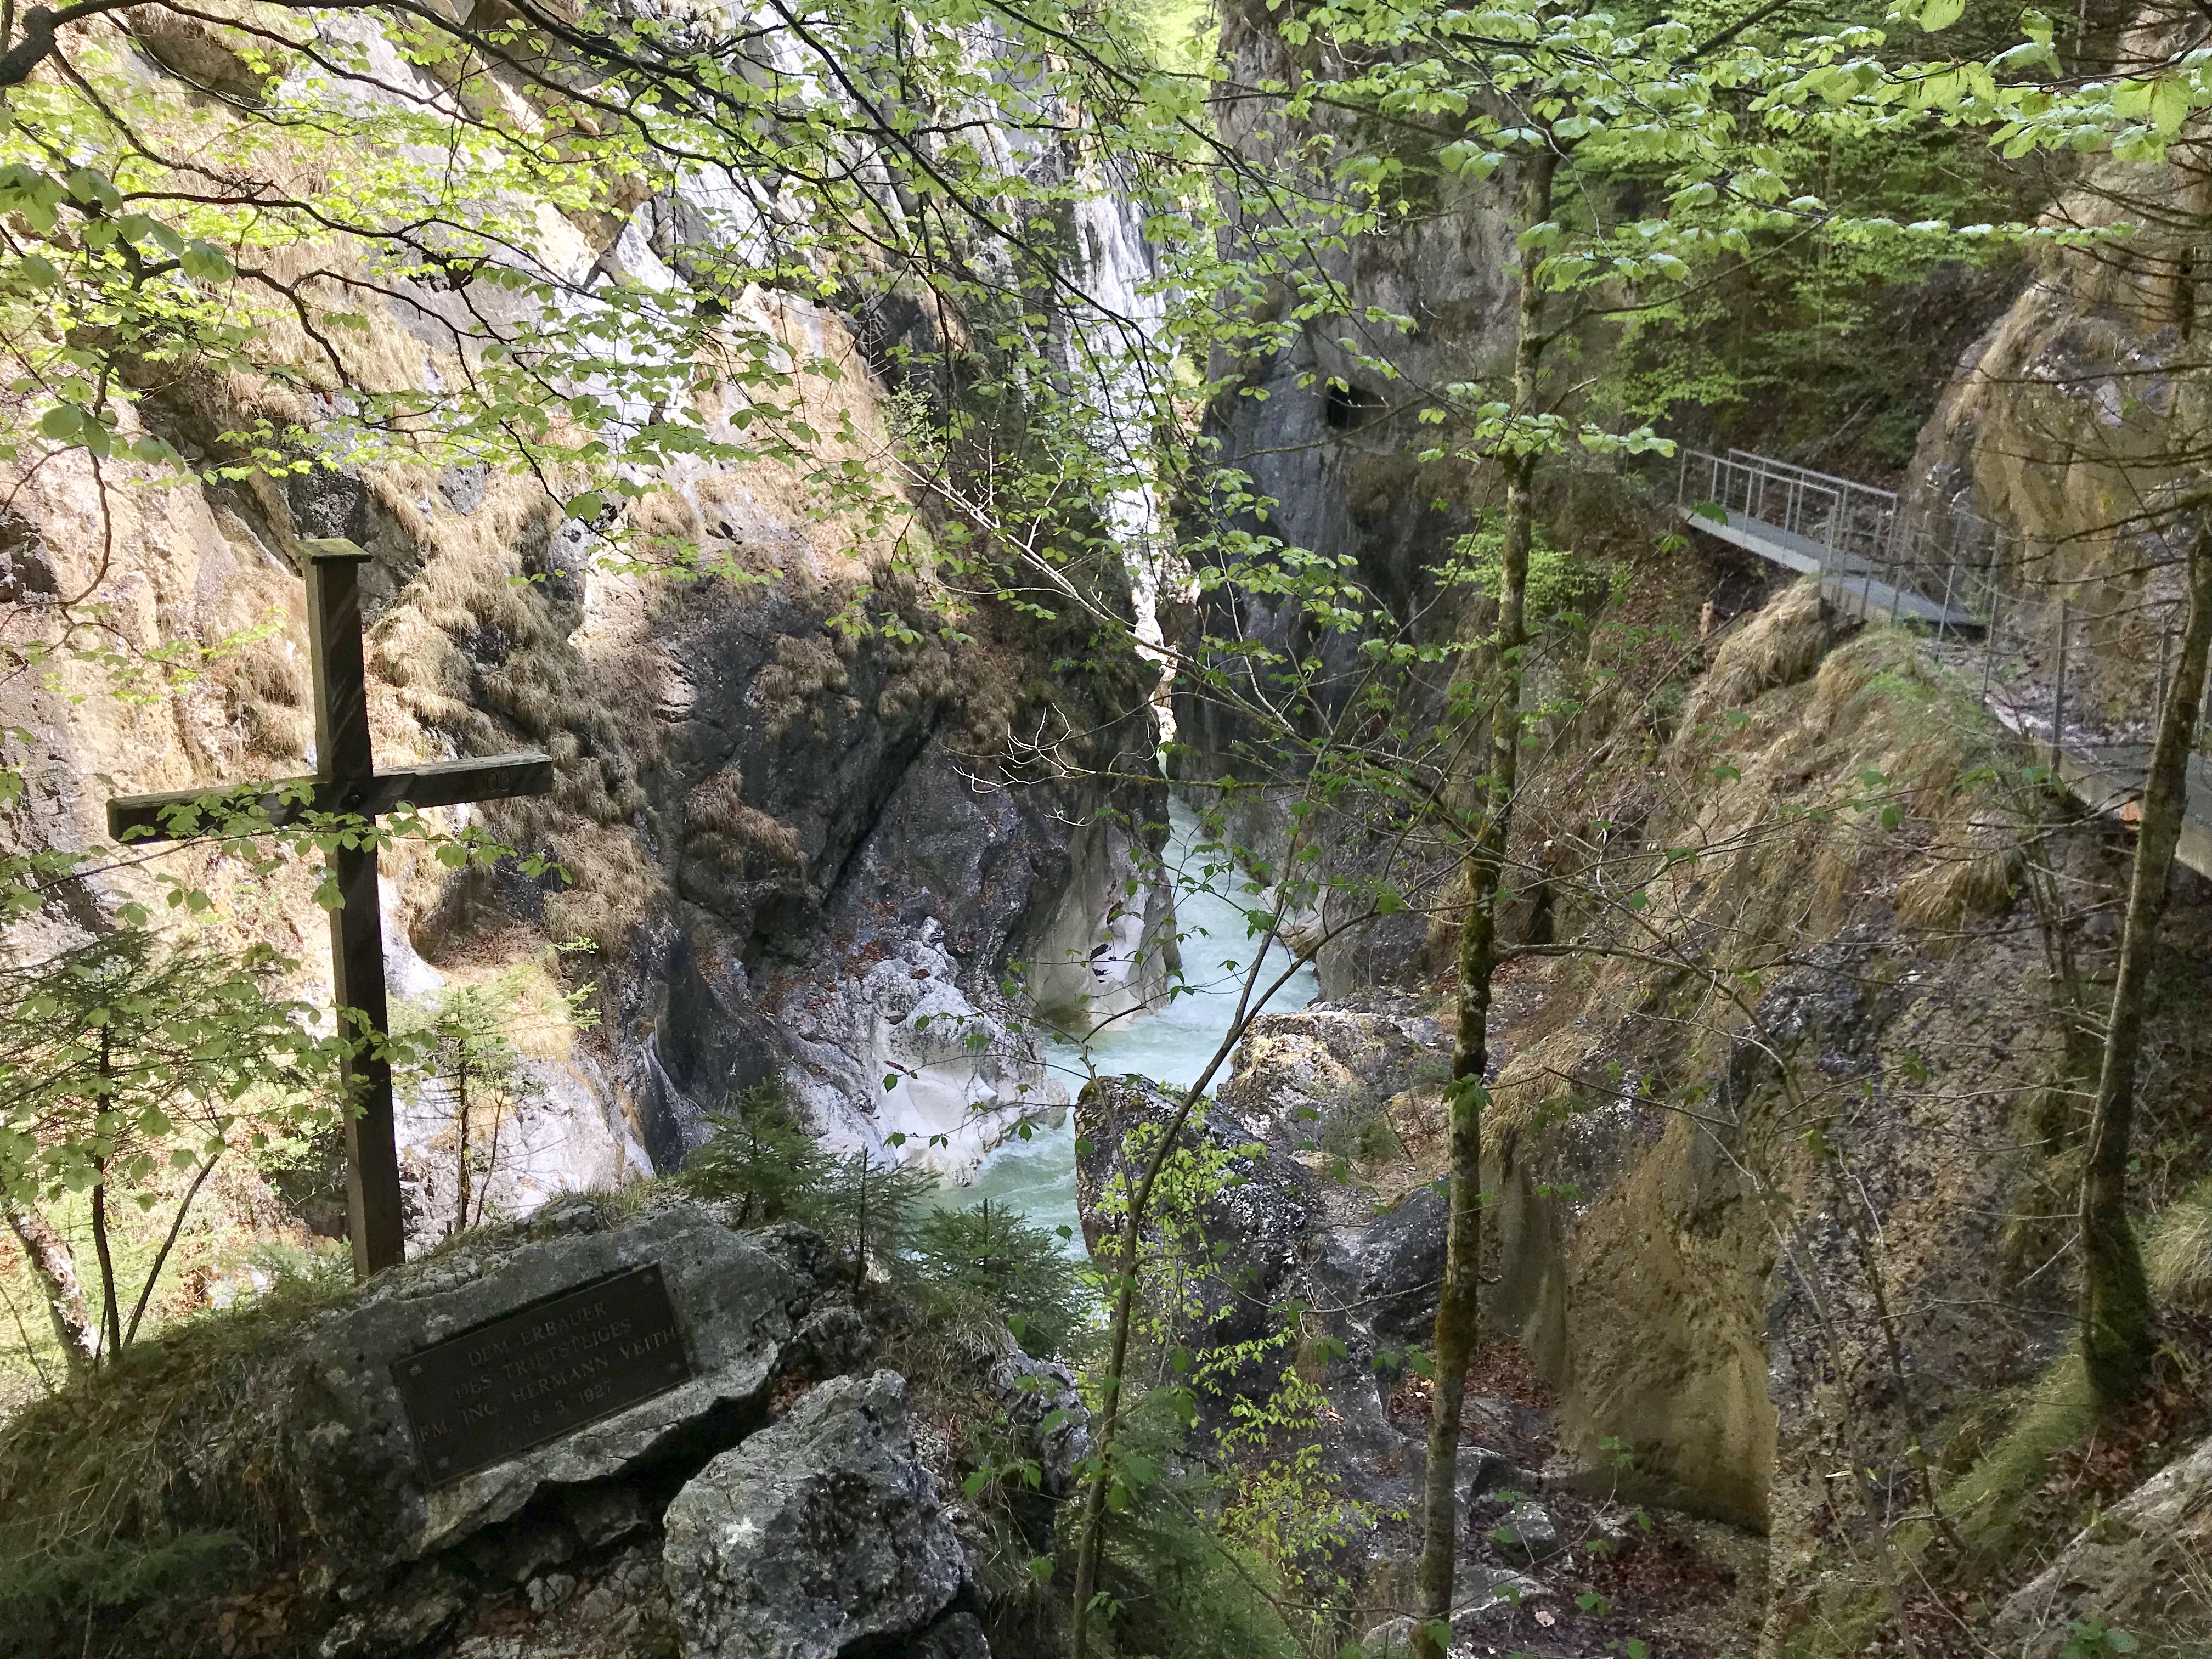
<point>1169,1041</point>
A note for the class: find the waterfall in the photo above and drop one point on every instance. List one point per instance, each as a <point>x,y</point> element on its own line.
<point>1118,276</point>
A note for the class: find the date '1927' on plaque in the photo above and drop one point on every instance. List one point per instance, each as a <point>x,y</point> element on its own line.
<point>541,1373</point>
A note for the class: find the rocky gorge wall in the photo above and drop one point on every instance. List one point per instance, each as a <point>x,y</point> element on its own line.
<point>787,849</point>
<point>1785,1131</point>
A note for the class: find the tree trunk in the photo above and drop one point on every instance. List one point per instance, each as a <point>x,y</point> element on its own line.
<point>57,1272</point>
<point>2119,1323</point>
<point>491,1156</point>
<point>161,1258</point>
<point>1090,1539</point>
<point>111,1315</point>
<point>1458,1301</point>
<point>461,1136</point>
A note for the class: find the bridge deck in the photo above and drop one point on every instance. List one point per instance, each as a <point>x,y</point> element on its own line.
<point>1849,581</point>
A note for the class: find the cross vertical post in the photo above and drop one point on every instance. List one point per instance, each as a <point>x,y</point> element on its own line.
<point>344,755</point>
<point>346,782</point>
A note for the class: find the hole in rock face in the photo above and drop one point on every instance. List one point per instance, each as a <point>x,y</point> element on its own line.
<point>1350,408</point>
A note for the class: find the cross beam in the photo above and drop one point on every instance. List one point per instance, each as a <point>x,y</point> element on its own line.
<point>346,780</point>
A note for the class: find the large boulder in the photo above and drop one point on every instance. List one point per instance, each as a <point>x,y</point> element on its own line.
<point>739,1300</point>
<point>1400,1264</point>
<point>1247,1237</point>
<point>1294,1071</point>
<point>819,1536</point>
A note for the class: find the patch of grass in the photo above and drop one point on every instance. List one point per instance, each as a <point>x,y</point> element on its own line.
<point>1992,1506</point>
<point>1359,1133</point>
<point>2178,1254</point>
<point>168,1471</point>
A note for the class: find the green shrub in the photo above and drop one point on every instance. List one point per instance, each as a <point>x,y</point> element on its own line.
<point>759,1160</point>
<point>1020,1270</point>
<point>1181,1588</point>
<point>772,1170</point>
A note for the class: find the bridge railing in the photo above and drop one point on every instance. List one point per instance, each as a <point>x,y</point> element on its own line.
<point>1945,562</point>
<point>2035,645</point>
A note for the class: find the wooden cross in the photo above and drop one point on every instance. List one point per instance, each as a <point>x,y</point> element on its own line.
<point>346,780</point>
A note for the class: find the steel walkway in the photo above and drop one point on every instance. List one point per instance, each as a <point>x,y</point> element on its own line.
<point>1871,559</point>
<point>1942,569</point>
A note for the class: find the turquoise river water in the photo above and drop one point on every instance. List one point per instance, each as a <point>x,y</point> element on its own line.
<point>1170,1043</point>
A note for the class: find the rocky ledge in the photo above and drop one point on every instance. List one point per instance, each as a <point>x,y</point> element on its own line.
<point>785,1500</point>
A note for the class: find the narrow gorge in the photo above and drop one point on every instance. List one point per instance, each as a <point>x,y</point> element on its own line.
<point>1315,829</point>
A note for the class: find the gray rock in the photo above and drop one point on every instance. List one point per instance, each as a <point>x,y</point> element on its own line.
<point>550,1591</point>
<point>423,1606</point>
<point>818,1535</point>
<point>1482,1472</point>
<point>959,1636</point>
<point>1393,1639</point>
<point>1047,1415</point>
<point>1401,1263</point>
<point>2140,1567</point>
<point>1293,1069</point>
<point>1486,1602</point>
<point>736,1298</point>
<point>1490,1600</point>
<point>1528,1535</point>
<point>1255,1228</point>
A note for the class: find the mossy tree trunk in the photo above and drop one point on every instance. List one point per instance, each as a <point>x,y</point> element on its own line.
<point>1458,1303</point>
<point>2119,1324</point>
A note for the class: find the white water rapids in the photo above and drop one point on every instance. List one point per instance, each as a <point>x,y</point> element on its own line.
<point>1169,1042</point>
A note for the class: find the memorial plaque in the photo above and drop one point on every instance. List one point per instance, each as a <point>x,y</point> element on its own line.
<point>537,1373</point>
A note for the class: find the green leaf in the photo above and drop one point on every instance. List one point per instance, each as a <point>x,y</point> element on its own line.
<point>2169,108</point>
<point>206,262</point>
<point>1941,14</point>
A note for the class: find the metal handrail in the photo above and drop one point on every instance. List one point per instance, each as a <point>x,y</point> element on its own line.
<point>1857,531</point>
<point>1767,463</point>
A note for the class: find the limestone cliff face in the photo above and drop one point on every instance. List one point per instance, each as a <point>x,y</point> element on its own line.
<point>1338,462</point>
<point>1783,1164</point>
<point>2073,424</point>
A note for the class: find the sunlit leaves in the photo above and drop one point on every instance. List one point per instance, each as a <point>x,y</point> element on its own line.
<point>135,1054</point>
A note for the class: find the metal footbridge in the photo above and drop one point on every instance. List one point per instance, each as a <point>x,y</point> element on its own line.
<point>1945,569</point>
<point>1873,560</point>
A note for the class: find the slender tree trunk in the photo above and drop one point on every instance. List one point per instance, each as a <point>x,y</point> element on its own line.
<point>111,1316</point>
<point>491,1156</point>
<point>57,1272</point>
<point>2118,1322</point>
<point>461,1133</point>
<point>1091,1539</point>
<point>1091,1545</point>
<point>860,1229</point>
<point>1458,1302</point>
<point>161,1260</point>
